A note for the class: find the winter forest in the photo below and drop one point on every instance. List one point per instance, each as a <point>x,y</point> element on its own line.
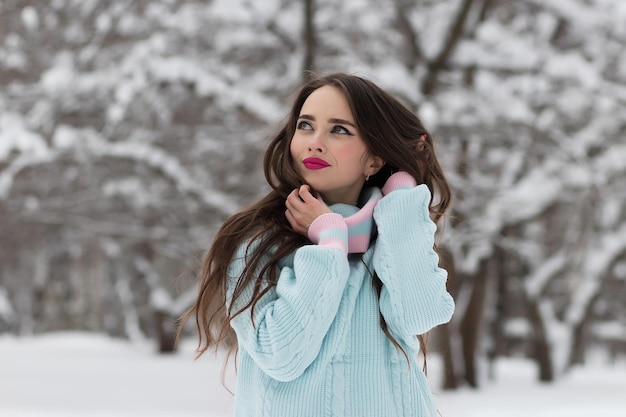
<point>129,130</point>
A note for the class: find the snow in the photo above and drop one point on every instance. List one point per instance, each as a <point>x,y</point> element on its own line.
<point>60,76</point>
<point>610,330</point>
<point>91,375</point>
<point>536,282</point>
<point>15,136</point>
<point>573,66</point>
<point>231,9</point>
<point>30,18</point>
<point>603,253</point>
<point>66,137</point>
<point>584,15</point>
<point>610,163</point>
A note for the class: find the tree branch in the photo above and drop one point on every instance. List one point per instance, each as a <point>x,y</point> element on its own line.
<point>454,35</point>
<point>411,36</point>
<point>310,39</point>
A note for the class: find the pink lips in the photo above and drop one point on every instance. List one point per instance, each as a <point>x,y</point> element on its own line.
<point>315,163</point>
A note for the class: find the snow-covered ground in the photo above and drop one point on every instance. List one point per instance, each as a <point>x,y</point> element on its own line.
<point>77,374</point>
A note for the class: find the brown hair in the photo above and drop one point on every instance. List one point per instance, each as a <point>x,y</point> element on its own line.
<point>390,131</point>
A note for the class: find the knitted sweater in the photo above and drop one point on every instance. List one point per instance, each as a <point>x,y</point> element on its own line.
<point>315,346</point>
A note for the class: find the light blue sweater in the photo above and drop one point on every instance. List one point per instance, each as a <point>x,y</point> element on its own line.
<point>316,347</point>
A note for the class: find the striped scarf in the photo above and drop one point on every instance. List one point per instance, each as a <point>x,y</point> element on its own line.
<point>360,219</point>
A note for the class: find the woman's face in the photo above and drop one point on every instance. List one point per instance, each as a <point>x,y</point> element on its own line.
<point>328,150</point>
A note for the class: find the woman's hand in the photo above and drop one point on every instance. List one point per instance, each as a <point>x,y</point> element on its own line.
<point>303,208</point>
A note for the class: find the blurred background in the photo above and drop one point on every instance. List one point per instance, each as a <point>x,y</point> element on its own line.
<point>129,130</point>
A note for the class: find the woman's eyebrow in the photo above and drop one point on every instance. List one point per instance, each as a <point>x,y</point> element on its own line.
<point>341,122</point>
<point>338,121</point>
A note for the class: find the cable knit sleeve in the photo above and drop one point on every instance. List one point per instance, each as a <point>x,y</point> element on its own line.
<point>414,298</point>
<point>292,318</point>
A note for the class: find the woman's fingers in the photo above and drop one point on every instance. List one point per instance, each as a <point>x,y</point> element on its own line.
<point>299,197</point>
<point>295,225</point>
<point>303,208</point>
<point>305,193</point>
<point>292,221</point>
<point>296,212</point>
<point>293,200</point>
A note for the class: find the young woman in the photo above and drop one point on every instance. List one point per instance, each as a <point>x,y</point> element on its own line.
<point>329,281</point>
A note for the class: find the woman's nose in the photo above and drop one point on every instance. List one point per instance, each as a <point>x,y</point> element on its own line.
<point>316,143</point>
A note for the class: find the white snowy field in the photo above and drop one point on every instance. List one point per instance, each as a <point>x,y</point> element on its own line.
<point>78,374</point>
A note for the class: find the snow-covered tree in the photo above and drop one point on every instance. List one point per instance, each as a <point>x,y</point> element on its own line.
<point>129,130</point>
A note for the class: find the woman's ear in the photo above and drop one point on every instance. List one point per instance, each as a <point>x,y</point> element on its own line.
<point>375,164</point>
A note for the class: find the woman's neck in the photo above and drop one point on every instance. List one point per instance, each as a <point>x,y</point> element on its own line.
<point>341,198</point>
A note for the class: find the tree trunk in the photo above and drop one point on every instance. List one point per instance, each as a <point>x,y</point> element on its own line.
<point>580,335</point>
<point>445,332</point>
<point>444,336</point>
<point>471,323</point>
<point>541,346</point>
<point>310,39</point>
<point>165,331</point>
<point>496,331</point>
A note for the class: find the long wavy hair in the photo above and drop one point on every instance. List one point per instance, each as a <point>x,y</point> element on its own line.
<point>390,131</point>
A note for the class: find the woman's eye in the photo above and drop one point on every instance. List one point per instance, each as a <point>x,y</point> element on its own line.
<point>341,130</point>
<point>304,126</point>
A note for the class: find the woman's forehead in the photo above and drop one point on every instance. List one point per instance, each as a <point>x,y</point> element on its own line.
<point>328,102</point>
